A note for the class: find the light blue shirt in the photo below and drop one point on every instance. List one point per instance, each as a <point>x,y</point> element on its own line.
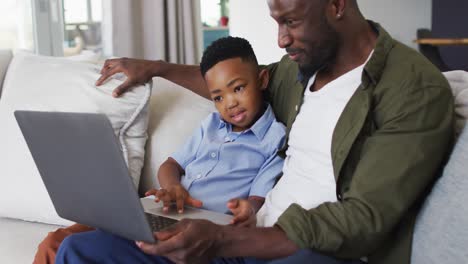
<point>221,164</point>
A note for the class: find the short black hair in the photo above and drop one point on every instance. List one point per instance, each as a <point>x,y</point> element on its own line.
<point>226,48</point>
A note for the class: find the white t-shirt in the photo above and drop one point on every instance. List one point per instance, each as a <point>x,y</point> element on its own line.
<point>308,178</point>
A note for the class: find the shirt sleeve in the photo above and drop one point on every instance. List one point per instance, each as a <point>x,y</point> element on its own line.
<point>270,170</point>
<point>188,152</point>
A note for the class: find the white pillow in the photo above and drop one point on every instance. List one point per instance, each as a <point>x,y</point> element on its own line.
<point>458,81</point>
<point>56,84</point>
<point>5,57</point>
<point>175,113</point>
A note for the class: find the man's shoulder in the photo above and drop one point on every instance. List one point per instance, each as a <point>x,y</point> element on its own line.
<point>405,65</point>
<point>283,70</point>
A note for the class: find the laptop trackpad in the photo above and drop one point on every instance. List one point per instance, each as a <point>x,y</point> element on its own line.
<point>152,207</point>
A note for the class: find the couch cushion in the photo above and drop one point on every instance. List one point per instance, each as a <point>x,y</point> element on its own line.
<point>5,58</point>
<point>458,81</point>
<point>19,239</point>
<point>55,84</point>
<point>441,233</point>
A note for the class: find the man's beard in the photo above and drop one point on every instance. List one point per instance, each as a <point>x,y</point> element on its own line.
<point>324,53</point>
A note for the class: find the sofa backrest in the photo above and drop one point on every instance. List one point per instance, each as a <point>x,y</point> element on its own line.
<point>441,233</point>
<point>5,58</point>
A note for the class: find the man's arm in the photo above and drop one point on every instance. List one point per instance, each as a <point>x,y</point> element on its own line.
<point>196,241</point>
<point>169,173</point>
<point>141,71</point>
<point>264,243</point>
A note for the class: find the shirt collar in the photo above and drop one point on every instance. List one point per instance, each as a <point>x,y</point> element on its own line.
<point>259,128</point>
<point>376,64</point>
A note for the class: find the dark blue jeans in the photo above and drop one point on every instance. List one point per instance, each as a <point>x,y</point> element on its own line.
<point>101,247</point>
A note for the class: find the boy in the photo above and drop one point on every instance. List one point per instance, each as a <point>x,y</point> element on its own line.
<point>244,137</point>
<point>233,153</point>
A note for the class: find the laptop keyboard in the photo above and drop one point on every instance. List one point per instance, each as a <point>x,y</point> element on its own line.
<point>157,222</point>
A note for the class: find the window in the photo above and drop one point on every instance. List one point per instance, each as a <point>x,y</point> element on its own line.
<point>16,29</point>
<point>215,19</point>
<point>82,23</point>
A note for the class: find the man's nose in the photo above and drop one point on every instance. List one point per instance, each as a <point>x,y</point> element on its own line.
<point>284,39</point>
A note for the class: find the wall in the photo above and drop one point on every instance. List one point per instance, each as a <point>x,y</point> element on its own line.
<point>250,19</point>
<point>449,20</point>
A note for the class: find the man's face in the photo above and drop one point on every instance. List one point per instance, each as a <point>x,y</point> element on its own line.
<point>303,30</point>
<point>236,89</point>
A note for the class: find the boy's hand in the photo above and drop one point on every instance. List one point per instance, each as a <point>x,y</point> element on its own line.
<point>175,193</point>
<point>243,211</point>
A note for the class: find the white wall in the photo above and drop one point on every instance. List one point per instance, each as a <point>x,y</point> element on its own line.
<point>250,19</point>
<point>400,17</point>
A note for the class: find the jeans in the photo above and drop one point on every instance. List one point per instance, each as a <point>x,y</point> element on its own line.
<point>101,247</point>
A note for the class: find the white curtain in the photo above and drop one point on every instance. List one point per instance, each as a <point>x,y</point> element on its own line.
<point>153,29</point>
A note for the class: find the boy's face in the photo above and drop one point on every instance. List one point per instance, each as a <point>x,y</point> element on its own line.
<point>236,89</point>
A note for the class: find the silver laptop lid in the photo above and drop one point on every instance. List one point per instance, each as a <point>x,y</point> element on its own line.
<point>84,172</point>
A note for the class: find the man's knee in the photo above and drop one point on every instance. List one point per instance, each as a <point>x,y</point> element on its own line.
<point>47,249</point>
<point>68,249</point>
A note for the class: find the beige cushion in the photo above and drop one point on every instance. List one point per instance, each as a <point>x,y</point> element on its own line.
<point>5,58</point>
<point>458,81</point>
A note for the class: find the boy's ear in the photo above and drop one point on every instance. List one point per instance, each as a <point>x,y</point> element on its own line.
<point>264,78</point>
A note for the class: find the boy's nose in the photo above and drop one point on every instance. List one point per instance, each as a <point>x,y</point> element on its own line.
<point>232,102</point>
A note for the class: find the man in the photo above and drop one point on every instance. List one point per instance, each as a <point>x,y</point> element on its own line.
<point>369,123</point>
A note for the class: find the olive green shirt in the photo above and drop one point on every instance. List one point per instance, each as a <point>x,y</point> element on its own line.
<point>388,148</point>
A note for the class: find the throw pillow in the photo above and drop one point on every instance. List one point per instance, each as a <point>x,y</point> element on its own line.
<point>458,81</point>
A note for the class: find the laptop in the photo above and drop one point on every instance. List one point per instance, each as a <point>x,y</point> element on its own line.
<point>85,174</point>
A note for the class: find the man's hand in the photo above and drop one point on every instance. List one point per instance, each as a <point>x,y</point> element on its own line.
<point>137,72</point>
<point>243,211</point>
<point>189,241</point>
<point>175,193</point>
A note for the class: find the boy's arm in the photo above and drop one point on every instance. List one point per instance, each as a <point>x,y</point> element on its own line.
<point>169,173</point>
<point>256,202</point>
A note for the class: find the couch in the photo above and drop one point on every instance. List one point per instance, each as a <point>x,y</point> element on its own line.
<point>441,234</point>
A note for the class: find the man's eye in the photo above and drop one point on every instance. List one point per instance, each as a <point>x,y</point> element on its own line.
<point>289,22</point>
<point>238,89</point>
<point>217,99</point>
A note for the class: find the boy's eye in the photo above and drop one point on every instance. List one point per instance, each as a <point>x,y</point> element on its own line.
<point>217,99</point>
<point>239,88</point>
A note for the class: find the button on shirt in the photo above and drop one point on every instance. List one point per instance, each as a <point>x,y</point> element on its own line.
<point>221,164</point>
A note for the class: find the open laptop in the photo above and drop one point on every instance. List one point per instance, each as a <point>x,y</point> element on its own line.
<point>83,170</point>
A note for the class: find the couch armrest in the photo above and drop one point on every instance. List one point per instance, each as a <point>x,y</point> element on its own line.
<point>5,58</point>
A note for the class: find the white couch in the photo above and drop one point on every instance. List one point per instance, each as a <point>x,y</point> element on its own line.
<point>174,114</point>
<point>441,232</point>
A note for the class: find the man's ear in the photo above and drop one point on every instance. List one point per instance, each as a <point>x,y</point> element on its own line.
<point>337,9</point>
<point>264,78</point>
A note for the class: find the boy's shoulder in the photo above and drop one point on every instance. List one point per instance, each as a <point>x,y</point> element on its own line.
<point>213,118</point>
<point>276,129</point>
